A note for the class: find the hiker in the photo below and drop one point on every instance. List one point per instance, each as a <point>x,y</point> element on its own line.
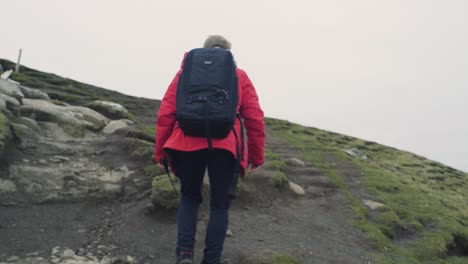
<point>191,146</point>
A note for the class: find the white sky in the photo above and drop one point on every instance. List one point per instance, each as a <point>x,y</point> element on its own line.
<point>393,71</point>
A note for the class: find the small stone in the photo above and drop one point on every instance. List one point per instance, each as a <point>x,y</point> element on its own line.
<point>297,189</point>
<point>295,162</point>
<point>356,153</point>
<point>58,159</point>
<point>55,250</point>
<point>25,160</point>
<point>373,205</point>
<point>130,260</point>
<point>13,259</point>
<point>229,233</point>
<point>7,186</point>
<point>68,253</point>
<point>90,256</point>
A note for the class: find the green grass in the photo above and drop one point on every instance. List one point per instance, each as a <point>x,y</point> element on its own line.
<point>5,134</point>
<point>279,179</point>
<point>426,203</point>
<point>4,129</point>
<point>276,165</point>
<point>166,191</point>
<point>284,259</point>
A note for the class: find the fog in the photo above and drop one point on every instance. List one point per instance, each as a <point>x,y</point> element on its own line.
<point>395,72</point>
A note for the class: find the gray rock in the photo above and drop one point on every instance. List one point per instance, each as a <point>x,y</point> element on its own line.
<point>297,189</point>
<point>10,103</point>
<point>128,122</point>
<point>28,122</point>
<point>10,88</point>
<point>7,186</point>
<point>23,132</point>
<point>62,183</point>
<point>163,193</point>
<point>96,120</point>
<point>34,93</point>
<point>356,153</point>
<point>6,74</point>
<point>109,109</point>
<point>44,110</point>
<point>114,126</point>
<point>295,162</point>
<point>373,205</point>
<point>59,159</point>
<point>68,253</point>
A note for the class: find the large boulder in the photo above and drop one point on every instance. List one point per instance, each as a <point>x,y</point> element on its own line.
<point>34,93</point>
<point>10,88</point>
<point>43,110</point>
<point>109,109</point>
<point>64,179</point>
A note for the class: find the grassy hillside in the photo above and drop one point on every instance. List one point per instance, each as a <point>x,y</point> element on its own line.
<point>77,93</point>
<point>424,213</point>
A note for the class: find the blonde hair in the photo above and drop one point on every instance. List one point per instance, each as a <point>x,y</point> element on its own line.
<point>217,41</point>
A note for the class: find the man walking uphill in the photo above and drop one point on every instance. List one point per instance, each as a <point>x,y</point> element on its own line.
<point>200,126</point>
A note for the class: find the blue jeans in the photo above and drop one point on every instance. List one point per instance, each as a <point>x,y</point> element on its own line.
<point>190,168</point>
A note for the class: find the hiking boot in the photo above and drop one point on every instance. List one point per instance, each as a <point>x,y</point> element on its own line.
<point>184,256</point>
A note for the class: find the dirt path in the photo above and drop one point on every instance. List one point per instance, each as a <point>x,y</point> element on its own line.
<point>315,228</point>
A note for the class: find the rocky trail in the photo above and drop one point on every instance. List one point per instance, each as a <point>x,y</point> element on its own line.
<point>74,188</point>
<point>76,219</point>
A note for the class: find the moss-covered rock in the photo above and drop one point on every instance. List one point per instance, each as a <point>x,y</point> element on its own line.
<point>165,192</point>
<point>279,179</point>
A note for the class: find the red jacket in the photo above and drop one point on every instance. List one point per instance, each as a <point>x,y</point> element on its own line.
<point>170,136</point>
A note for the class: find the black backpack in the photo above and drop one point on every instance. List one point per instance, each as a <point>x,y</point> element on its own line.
<point>207,94</point>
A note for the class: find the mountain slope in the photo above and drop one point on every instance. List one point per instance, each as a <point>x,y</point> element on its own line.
<point>74,171</point>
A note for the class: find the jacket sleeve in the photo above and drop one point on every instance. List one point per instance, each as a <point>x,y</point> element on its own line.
<point>253,116</point>
<point>166,118</point>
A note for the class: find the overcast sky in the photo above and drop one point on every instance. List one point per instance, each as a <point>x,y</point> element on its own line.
<point>393,71</point>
